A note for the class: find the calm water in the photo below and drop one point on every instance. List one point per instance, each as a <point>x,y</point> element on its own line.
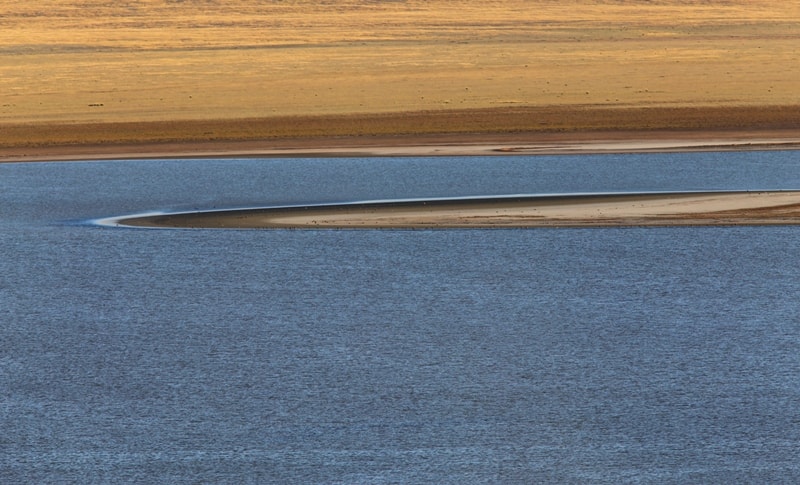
<point>641,355</point>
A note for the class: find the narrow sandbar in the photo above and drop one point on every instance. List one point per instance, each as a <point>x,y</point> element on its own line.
<point>604,210</point>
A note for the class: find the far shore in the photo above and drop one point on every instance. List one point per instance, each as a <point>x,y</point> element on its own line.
<point>422,146</point>
<point>508,131</point>
<point>411,78</point>
<point>646,209</point>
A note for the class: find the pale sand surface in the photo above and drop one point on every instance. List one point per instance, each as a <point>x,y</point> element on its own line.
<point>424,145</point>
<point>424,150</point>
<point>705,208</point>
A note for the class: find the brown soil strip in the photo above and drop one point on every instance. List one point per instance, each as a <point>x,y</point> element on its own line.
<point>511,128</point>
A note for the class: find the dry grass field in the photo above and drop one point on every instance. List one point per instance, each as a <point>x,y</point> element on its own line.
<point>70,67</point>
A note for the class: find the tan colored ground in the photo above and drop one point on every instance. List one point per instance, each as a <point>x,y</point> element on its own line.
<point>582,211</point>
<point>292,70</point>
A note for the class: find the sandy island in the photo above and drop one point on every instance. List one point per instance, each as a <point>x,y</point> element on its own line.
<point>654,209</point>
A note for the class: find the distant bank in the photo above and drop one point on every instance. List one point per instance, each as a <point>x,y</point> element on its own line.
<point>508,130</point>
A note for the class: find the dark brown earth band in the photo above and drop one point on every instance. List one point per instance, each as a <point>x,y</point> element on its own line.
<point>510,127</point>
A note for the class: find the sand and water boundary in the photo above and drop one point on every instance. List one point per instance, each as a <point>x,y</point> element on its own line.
<point>493,131</point>
<point>449,134</point>
<point>416,78</point>
<point>582,210</point>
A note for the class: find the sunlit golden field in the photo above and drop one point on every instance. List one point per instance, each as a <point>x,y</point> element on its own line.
<point>103,61</point>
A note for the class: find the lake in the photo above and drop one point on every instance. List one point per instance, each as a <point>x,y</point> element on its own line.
<point>603,355</point>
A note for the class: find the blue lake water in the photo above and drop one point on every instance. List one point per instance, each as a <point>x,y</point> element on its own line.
<point>615,355</point>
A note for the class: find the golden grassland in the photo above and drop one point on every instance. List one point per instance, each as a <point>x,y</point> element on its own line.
<point>97,71</point>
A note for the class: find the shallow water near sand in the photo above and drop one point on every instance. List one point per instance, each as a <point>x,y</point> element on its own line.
<point>395,356</point>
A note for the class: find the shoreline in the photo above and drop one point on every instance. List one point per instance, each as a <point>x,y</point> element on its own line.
<point>545,130</point>
<point>424,146</point>
<point>594,210</point>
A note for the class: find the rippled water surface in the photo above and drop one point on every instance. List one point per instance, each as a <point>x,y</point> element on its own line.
<point>461,356</point>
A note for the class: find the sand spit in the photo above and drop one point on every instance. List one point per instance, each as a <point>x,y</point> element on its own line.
<point>603,210</point>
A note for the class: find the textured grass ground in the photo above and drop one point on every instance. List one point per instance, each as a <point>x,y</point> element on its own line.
<point>77,65</point>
